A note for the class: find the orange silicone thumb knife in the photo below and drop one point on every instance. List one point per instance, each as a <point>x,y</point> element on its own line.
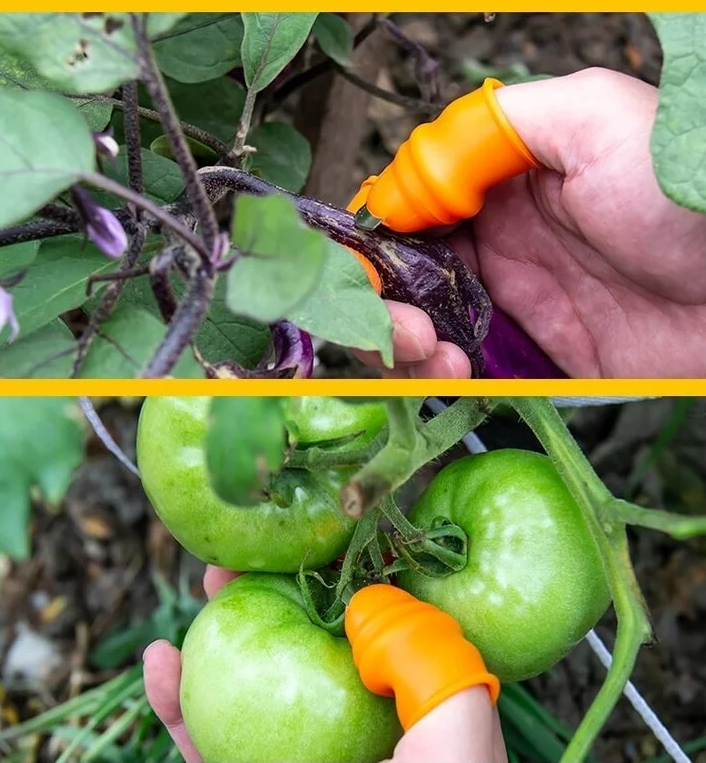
<point>412,651</point>
<point>441,173</point>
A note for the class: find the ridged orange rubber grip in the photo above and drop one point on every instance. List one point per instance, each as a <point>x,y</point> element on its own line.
<point>442,171</point>
<point>411,650</point>
<point>356,203</point>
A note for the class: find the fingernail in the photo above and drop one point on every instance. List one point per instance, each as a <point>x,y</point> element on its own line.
<point>151,646</point>
<point>415,352</point>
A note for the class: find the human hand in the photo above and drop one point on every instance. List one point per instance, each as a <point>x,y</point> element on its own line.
<point>589,257</point>
<point>162,675</point>
<point>466,727</point>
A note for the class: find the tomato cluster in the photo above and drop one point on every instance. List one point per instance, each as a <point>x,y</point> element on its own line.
<point>261,681</point>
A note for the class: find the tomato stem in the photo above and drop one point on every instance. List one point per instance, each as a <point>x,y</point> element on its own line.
<point>410,446</point>
<point>316,458</point>
<point>678,526</point>
<point>598,507</point>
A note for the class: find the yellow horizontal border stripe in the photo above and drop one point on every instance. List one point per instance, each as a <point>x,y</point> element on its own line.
<point>328,5</point>
<point>357,387</point>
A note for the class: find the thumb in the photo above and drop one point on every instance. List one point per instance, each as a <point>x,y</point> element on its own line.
<point>462,729</point>
<point>570,122</point>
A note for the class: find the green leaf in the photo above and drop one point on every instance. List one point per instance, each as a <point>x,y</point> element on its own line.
<point>127,340</point>
<point>162,178</point>
<point>283,155</point>
<point>222,335</point>
<point>201,47</point>
<point>160,147</point>
<point>45,145</point>
<point>344,308</point>
<point>56,282</point>
<point>17,257</point>
<point>17,74</point>
<point>245,444</point>
<point>678,142</point>
<point>335,37</point>
<point>41,444</point>
<point>45,354</point>
<point>214,106</point>
<point>270,42</point>
<point>281,258</point>
<point>79,52</point>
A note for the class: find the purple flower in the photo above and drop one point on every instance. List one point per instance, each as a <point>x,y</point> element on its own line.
<point>106,145</point>
<point>293,350</point>
<point>101,226</point>
<point>7,315</point>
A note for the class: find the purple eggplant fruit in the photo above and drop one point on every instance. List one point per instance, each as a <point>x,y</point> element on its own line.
<point>427,273</point>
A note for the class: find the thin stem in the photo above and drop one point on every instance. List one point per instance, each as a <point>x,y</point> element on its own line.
<point>677,525</point>
<point>596,504</point>
<point>398,520</point>
<point>316,458</point>
<point>159,213</point>
<point>121,275</point>
<point>131,125</point>
<point>633,631</point>
<point>396,463</point>
<point>244,125</point>
<point>411,104</point>
<point>183,326</point>
<point>157,89</point>
<point>60,213</point>
<point>191,131</point>
<point>426,68</point>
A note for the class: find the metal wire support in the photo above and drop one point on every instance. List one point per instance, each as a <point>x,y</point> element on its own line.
<point>104,436</point>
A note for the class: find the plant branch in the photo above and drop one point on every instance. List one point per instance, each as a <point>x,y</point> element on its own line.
<point>426,68</point>
<point>131,125</point>
<point>157,89</point>
<point>406,451</point>
<point>239,148</point>
<point>183,326</point>
<point>316,458</point>
<point>679,526</point>
<point>159,213</point>
<point>596,504</point>
<point>411,104</point>
<point>633,631</point>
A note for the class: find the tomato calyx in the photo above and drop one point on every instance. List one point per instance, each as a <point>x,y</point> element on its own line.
<point>374,556</point>
<point>439,551</point>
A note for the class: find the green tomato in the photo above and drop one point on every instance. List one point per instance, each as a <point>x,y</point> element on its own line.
<point>328,421</point>
<point>301,523</point>
<point>261,682</point>
<point>534,583</point>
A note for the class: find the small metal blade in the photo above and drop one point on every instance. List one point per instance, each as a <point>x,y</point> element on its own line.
<point>366,221</point>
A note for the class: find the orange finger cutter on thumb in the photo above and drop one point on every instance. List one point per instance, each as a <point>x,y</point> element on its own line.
<point>413,651</point>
